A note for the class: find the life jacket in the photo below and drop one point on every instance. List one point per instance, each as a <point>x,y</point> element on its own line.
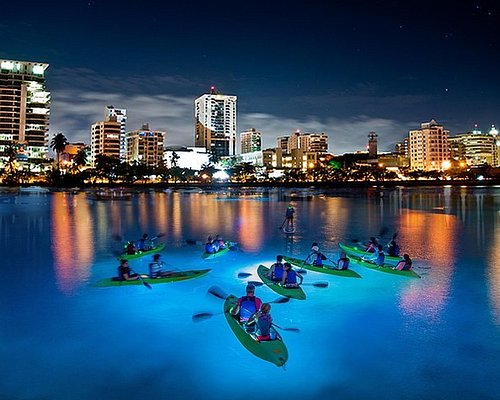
<point>278,271</point>
<point>380,258</point>
<point>247,307</point>
<point>291,277</point>
<point>319,259</point>
<point>210,248</point>
<point>122,271</point>
<point>343,263</point>
<point>154,269</point>
<point>264,325</point>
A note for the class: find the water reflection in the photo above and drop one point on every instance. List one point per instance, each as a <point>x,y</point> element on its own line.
<point>494,271</point>
<point>72,240</point>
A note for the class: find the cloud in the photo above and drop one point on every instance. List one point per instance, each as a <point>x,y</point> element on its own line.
<point>167,102</point>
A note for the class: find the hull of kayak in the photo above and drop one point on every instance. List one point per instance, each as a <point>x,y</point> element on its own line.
<point>206,255</point>
<point>293,293</point>
<point>175,277</point>
<point>326,269</point>
<point>273,351</point>
<point>361,253</point>
<point>385,268</point>
<point>139,254</point>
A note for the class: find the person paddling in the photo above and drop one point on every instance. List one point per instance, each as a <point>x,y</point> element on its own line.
<point>156,268</point>
<point>247,305</point>
<point>264,322</point>
<point>290,276</point>
<point>275,273</point>
<point>343,261</point>
<point>125,273</point>
<point>405,264</point>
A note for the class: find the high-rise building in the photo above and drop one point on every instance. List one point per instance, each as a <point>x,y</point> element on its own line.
<point>121,117</point>
<point>105,139</point>
<point>145,146</point>
<point>428,147</point>
<point>496,159</point>
<point>215,123</point>
<point>372,145</point>
<point>24,107</point>
<point>475,148</point>
<point>251,140</point>
<point>307,142</point>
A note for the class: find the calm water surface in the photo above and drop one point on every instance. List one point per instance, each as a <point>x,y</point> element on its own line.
<point>379,337</point>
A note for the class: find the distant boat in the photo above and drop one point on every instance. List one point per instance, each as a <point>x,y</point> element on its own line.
<point>112,195</point>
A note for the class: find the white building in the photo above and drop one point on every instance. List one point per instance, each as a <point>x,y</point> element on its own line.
<point>428,147</point>
<point>187,157</point>
<point>215,123</point>
<point>24,107</point>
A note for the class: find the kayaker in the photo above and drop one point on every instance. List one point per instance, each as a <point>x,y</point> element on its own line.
<point>141,243</point>
<point>210,246</point>
<point>275,273</point>
<point>289,217</point>
<point>372,245</point>
<point>393,248</point>
<point>290,277</point>
<point>155,268</point>
<point>125,273</point>
<point>264,321</point>
<point>405,264</point>
<point>380,255</point>
<point>343,261</point>
<point>247,305</point>
<point>219,242</point>
<point>316,255</point>
<point>130,248</point>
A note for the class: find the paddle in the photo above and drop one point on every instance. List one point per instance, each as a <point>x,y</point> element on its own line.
<point>283,224</point>
<point>142,280</point>
<point>244,274</point>
<point>287,329</point>
<point>315,284</point>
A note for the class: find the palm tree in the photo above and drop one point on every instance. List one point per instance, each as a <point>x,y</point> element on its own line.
<point>58,144</point>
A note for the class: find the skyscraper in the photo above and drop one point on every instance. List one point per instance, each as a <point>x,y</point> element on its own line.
<point>24,107</point>
<point>145,146</point>
<point>215,123</point>
<point>429,147</point>
<point>121,117</point>
<point>105,139</point>
<point>251,140</point>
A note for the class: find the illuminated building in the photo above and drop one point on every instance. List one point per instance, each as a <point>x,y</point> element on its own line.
<point>299,150</point>
<point>105,139</point>
<point>121,117</point>
<point>372,145</point>
<point>496,152</point>
<point>251,140</point>
<point>24,107</point>
<point>428,147</point>
<point>215,123</point>
<point>70,151</point>
<point>475,148</point>
<point>187,157</point>
<point>145,146</point>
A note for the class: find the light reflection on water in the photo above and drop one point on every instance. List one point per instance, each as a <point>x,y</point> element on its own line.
<point>350,331</point>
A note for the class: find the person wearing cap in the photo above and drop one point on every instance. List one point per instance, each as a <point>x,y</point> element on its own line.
<point>275,273</point>
<point>247,305</point>
<point>316,255</point>
<point>264,322</point>
<point>290,276</point>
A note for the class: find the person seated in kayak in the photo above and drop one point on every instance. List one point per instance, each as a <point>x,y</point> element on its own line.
<point>405,264</point>
<point>142,244</point>
<point>263,321</point>
<point>247,305</point>
<point>372,245</point>
<point>290,276</point>
<point>275,273</point>
<point>317,256</point>
<point>393,248</point>
<point>130,247</point>
<point>156,268</point>
<point>220,243</point>
<point>380,255</point>
<point>343,261</point>
<point>210,246</point>
<point>125,273</point>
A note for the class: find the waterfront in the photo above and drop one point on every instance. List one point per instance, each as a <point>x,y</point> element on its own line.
<point>376,337</point>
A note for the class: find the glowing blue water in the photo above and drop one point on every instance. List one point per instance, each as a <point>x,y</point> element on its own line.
<point>379,337</point>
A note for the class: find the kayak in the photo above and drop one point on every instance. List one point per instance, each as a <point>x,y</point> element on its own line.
<point>175,277</point>
<point>385,268</point>
<point>356,251</point>
<point>228,247</point>
<point>325,269</point>
<point>293,293</point>
<point>273,351</point>
<point>125,256</point>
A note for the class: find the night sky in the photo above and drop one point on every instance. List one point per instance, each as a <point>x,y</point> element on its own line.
<point>340,67</point>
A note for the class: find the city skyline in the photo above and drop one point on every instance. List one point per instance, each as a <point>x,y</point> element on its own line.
<point>342,68</point>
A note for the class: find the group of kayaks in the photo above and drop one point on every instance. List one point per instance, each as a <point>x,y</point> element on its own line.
<point>274,351</point>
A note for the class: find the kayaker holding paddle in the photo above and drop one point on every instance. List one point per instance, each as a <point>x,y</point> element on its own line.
<point>155,268</point>
<point>247,305</point>
<point>275,273</point>
<point>290,277</point>
<point>264,321</point>
<point>125,273</point>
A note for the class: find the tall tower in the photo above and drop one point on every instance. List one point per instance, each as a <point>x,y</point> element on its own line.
<point>105,139</point>
<point>372,145</point>
<point>251,140</point>
<point>24,107</point>
<point>428,147</point>
<point>215,122</point>
<point>121,117</point>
